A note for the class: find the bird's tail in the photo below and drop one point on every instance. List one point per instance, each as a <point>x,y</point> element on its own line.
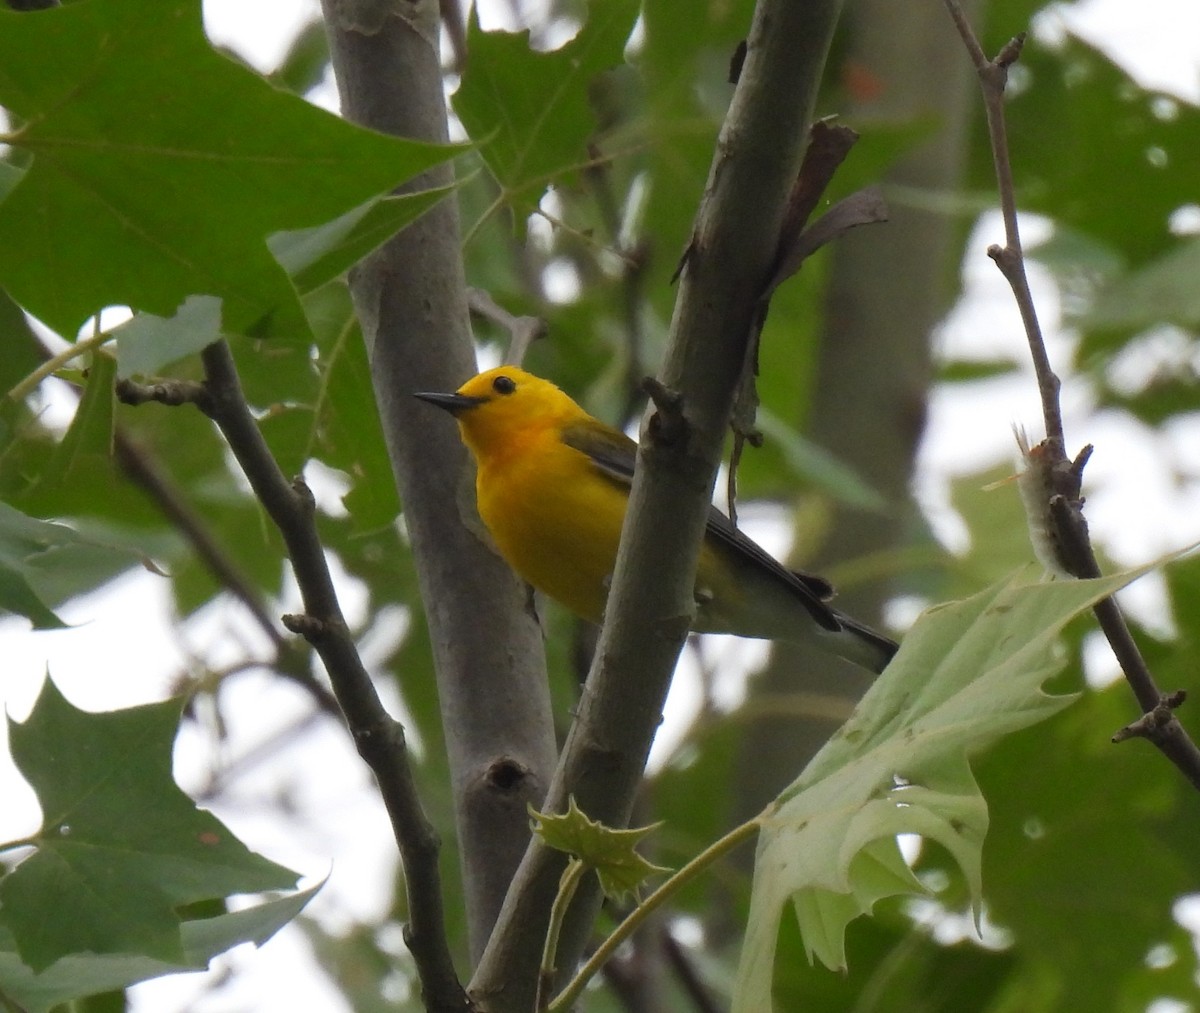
<point>860,644</point>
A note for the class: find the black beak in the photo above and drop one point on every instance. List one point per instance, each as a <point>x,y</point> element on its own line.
<point>453,403</point>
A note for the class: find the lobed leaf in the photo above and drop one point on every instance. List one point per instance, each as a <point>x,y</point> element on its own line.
<point>967,673</point>
<point>121,846</point>
<point>84,974</point>
<point>41,563</point>
<point>530,111</point>
<point>611,852</point>
<point>178,196</point>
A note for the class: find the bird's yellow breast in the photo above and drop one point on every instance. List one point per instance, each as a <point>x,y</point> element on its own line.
<point>554,519</point>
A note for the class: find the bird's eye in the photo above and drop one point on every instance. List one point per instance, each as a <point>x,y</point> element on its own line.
<point>504,385</point>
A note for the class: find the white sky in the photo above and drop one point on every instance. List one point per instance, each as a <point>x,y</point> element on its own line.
<point>337,810</point>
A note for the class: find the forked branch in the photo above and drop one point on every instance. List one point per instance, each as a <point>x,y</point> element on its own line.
<point>1059,476</point>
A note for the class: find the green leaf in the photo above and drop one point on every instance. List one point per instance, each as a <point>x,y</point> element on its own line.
<point>90,435</point>
<point>970,370</point>
<point>530,111</point>
<point>610,852</point>
<point>121,847</point>
<point>85,974</point>
<point>311,257</point>
<point>346,431</point>
<point>1102,836</point>
<point>1076,99</point>
<point>42,563</point>
<point>304,65</point>
<point>819,467</point>
<point>22,351</point>
<point>1164,291</point>
<point>147,343</point>
<point>318,255</point>
<point>134,200</point>
<point>967,674</point>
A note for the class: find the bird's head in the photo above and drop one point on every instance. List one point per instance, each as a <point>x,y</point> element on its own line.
<point>500,407</point>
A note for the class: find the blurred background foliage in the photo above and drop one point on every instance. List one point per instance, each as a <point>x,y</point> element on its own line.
<point>576,213</point>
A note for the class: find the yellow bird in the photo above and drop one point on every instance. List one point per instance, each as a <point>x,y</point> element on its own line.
<point>552,486</point>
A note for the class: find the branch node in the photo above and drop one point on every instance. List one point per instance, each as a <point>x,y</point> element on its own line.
<point>668,426</point>
<point>1068,534</point>
<point>1080,462</point>
<point>311,628</point>
<point>1010,52</point>
<point>304,495</point>
<point>685,259</point>
<point>1151,724</point>
<point>167,392</point>
<point>506,775</point>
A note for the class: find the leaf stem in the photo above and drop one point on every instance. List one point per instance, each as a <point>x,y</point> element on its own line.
<point>571,877</point>
<point>715,851</point>
<point>55,363</point>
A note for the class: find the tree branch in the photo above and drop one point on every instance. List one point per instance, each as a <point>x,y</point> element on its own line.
<point>522,331</point>
<point>1059,476</point>
<point>689,977</point>
<point>410,297</point>
<point>144,471</point>
<point>650,605</point>
<point>379,739</point>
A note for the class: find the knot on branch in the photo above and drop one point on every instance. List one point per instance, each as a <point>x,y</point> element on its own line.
<point>668,426</point>
<point>379,740</point>
<point>1151,724</point>
<point>506,775</point>
<point>304,495</point>
<point>312,629</point>
<point>1011,51</point>
<point>675,629</point>
<point>167,392</point>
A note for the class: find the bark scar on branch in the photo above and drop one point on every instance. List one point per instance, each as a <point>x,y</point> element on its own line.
<point>1063,476</point>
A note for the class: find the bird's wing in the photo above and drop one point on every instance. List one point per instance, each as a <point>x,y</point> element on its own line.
<point>611,452</point>
<point>614,454</point>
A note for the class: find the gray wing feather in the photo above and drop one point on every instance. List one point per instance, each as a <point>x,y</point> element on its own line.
<point>616,462</point>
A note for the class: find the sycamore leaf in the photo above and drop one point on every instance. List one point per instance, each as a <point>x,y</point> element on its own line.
<point>84,974</point>
<point>317,255</point>
<point>967,674</point>
<point>91,431</point>
<point>311,258</point>
<point>818,467</point>
<point>346,433</point>
<point>42,563</point>
<point>149,342</point>
<point>529,111</point>
<point>610,852</point>
<point>1163,290</point>
<point>167,199</point>
<point>121,847</point>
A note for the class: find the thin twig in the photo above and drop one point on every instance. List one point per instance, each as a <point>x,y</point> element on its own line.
<point>1062,476</point>
<point>993,77</point>
<point>144,471</point>
<point>56,362</point>
<point>689,978</point>
<point>379,738</point>
<point>828,145</point>
<point>522,331</point>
